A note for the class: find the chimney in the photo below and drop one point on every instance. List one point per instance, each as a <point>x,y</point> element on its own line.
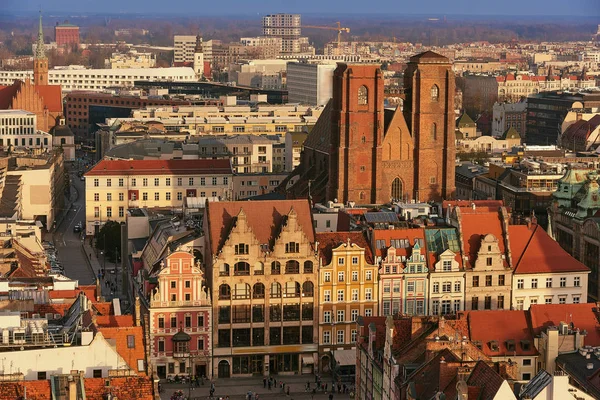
<point>137,311</point>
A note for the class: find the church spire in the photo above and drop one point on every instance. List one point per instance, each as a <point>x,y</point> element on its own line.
<point>39,49</point>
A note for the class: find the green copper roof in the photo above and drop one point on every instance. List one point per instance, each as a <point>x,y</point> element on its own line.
<point>465,121</point>
<point>511,133</point>
<point>39,49</point>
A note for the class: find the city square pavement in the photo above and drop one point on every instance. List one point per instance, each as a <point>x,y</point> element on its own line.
<point>238,388</point>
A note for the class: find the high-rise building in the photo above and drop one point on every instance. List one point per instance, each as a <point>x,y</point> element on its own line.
<point>359,152</point>
<point>284,26</point>
<point>310,83</point>
<point>185,45</point>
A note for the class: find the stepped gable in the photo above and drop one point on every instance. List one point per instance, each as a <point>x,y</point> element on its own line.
<point>263,217</point>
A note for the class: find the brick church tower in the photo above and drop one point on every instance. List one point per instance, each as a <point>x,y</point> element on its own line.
<point>429,114</point>
<point>357,131</point>
<point>358,151</point>
<point>40,62</point>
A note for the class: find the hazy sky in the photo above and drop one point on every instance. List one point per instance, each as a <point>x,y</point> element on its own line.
<point>198,7</point>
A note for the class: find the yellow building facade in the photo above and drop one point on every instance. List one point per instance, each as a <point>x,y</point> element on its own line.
<point>348,288</point>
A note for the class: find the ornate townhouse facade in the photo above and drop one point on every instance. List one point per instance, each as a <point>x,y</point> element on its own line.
<point>348,287</point>
<point>113,186</point>
<point>262,263</point>
<point>180,316</point>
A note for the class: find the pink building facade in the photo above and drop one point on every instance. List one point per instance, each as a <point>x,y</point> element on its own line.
<point>180,318</point>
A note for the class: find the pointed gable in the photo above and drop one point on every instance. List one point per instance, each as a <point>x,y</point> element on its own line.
<point>398,143</point>
<point>511,133</point>
<point>329,241</point>
<point>264,218</point>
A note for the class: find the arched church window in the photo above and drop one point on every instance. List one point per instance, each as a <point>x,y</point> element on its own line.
<point>397,189</point>
<point>363,95</point>
<point>435,93</point>
<point>434,131</point>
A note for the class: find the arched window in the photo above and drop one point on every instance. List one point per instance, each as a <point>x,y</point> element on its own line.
<point>362,195</point>
<point>275,290</point>
<point>434,131</point>
<point>292,267</point>
<point>241,268</point>
<point>397,189</point>
<point>258,292</point>
<point>363,140</point>
<point>308,289</point>
<point>275,268</point>
<point>224,270</point>
<point>308,267</point>
<point>435,93</point>
<point>224,292</point>
<point>241,291</point>
<point>363,95</point>
<point>292,289</point>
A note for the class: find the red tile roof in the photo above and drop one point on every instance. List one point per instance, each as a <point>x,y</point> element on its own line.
<point>125,388</point>
<point>427,378</point>
<point>130,354</point>
<point>161,167</point>
<point>114,320</point>
<point>104,308</point>
<point>475,225</point>
<point>57,308</point>
<point>501,326</point>
<point>263,217</point>
<point>399,234</point>
<point>582,315</point>
<point>489,205</point>
<point>331,240</point>
<point>36,390</point>
<point>541,254</point>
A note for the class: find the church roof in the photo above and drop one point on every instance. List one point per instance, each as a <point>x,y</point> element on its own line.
<point>51,95</point>
<point>429,56</point>
<point>320,135</point>
<point>61,131</point>
<point>511,133</point>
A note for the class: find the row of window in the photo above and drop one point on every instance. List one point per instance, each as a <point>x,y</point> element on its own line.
<point>549,282</point>
<point>109,212</point>
<point>181,347</point>
<point>133,197</point>
<point>548,300</point>
<point>167,181</point>
<point>341,316</point>
<point>341,276</point>
<point>339,336</point>
<point>353,295</point>
<point>446,287</point>
<point>187,321</point>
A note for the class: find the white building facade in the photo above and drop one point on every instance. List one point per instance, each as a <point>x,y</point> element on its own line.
<point>310,84</point>
<point>18,129</point>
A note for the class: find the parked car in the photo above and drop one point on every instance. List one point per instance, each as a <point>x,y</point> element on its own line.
<point>78,228</point>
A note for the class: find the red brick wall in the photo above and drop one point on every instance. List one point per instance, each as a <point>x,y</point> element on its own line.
<point>66,35</point>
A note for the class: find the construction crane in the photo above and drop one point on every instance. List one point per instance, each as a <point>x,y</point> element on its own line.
<point>339,30</point>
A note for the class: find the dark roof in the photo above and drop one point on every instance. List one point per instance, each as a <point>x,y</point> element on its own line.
<point>181,336</point>
<point>161,167</point>
<point>576,366</point>
<point>465,120</point>
<point>9,196</point>
<point>61,131</point>
<point>511,133</point>
<point>536,385</point>
<point>332,240</point>
<point>485,378</point>
<point>319,137</point>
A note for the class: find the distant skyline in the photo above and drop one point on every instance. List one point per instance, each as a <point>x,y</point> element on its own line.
<point>586,8</point>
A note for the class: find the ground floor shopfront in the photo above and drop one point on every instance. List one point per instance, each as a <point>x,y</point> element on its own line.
<point>169,367</point>
<point>263,361</point>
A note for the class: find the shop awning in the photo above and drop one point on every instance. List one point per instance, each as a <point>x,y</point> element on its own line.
<point>308,359</point>
<point>345,357</point>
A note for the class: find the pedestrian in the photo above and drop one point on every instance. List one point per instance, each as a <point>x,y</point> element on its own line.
<point>326,386</point>
<point>316,378</point>
<point>269,383</point>
<point>330,396</point>
<point>256,396</point>
<point>264,383</point>
<point>344,388</point>
<point>288,390</point>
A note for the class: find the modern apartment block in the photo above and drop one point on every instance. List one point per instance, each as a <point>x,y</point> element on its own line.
<point>113,186</point>
<point>18,129</point>
<point>261,260</point>
<point>310,83</point>
<point>184,48</point>
<point>284,26</point>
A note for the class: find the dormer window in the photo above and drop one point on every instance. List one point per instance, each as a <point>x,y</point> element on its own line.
<point>525,345</point>
<point>494,345</point>
<point>510,345</point>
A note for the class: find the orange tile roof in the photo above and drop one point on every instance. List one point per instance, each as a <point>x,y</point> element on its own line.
<point>582,315</point>
<point>264,218</point>
<point>56,308</point>
<point>541,254</point>
<point>161,167</point>
<point>36,390</point>
<point>501,326</point>
<point>475,225</point>
<point>120,336</point>
<point>330,240</point>
<point>125,388</point>
<point>114,320</point>
<point>105,308</point>
<point>388,234</point>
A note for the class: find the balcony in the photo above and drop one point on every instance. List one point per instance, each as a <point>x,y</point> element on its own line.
<point>181,355</point>
<point>241,273</point>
